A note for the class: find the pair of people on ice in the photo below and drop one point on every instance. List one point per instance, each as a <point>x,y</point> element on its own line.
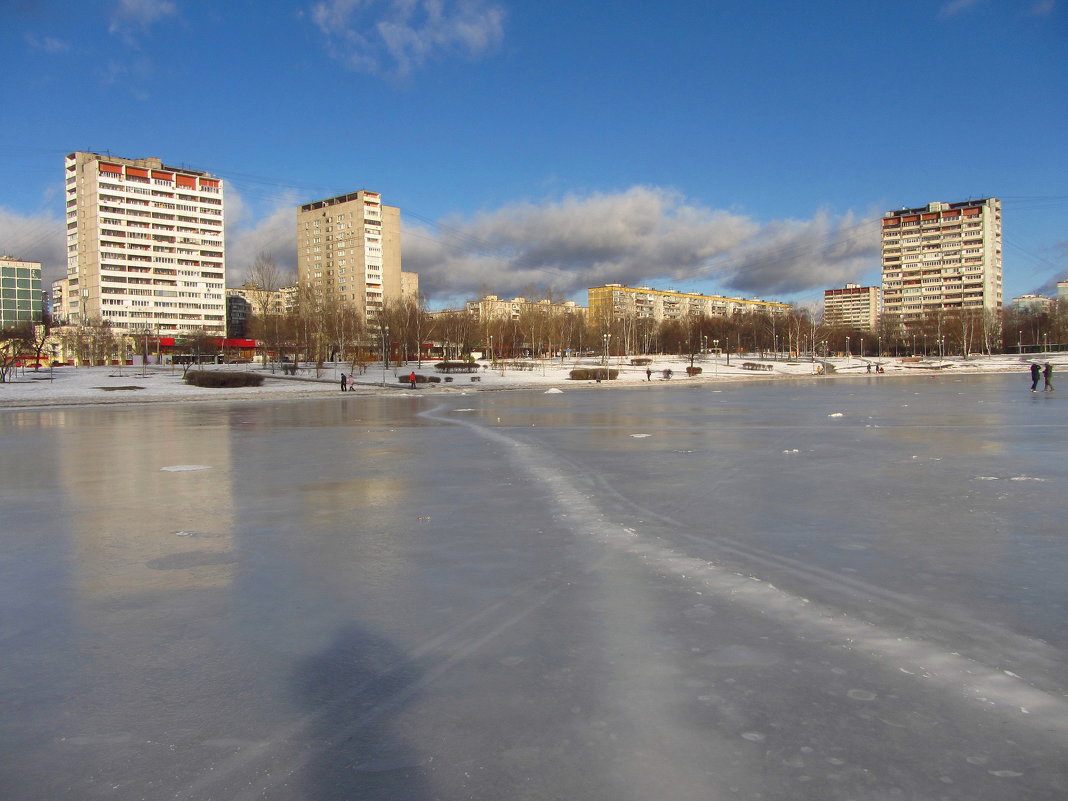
<point>1046,373</point>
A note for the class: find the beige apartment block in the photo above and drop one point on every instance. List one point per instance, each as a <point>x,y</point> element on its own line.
<point>942,256</point>
<point>348,251</point>
<point>491,307</point>
<point>854,305</point>
<point>145,246</point>
<point>410,285</point>
<point>616,300</point>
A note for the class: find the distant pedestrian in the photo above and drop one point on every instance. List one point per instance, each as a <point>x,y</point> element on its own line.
<point>352,383</point>
<point>411,378</point>
<point>1036,373</point>
<point>869,367</point>
<point>648,373</point>
<point>1047,374</point>
<point>344,382</point>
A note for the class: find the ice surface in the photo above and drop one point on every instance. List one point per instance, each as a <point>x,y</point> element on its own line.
<point>386,599</point>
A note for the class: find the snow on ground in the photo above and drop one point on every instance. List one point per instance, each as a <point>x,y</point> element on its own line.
<point>79,385</point>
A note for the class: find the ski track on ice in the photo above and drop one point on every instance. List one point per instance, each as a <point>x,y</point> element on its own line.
<point>968,679</point>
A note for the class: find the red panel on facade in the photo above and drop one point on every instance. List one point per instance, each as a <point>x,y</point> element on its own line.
<point>137,172</point>
<point>239,343</point>
<point>209,182</point>
<point>186,180</point>
<point>112,168</point>
<point>973,212</point>
<point>166,176</point>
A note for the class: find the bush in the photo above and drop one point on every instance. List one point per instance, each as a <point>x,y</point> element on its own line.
<point>456,367</point>
<point>692,371</point>
<point>667,374</point>
<point>641,362</point>
<point>213,379</point>
<point>594,374</point>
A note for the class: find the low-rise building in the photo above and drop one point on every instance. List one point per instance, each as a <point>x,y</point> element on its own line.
<point>617,300</point>
<point>491,307</point>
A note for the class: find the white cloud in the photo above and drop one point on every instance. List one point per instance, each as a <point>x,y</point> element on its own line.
<point>1043,8</point>
<point>35,238</point>
<point>47,44</point>
<point>398,36</point>
<point>275,234</point>
<point>129,16</point>
<point>644,235</point>
<point>955,7</point>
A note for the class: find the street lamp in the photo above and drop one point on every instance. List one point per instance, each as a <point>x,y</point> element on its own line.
<point>862,347</point>
<point>715,347</point>
<point>606,338</point>
<point>492,357</point>
<point>385,337</point>
<point>848,352</point>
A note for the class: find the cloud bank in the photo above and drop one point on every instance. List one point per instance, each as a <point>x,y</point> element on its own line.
<point>641,236</point>
<point>398,36</point>
<point>644,235</point>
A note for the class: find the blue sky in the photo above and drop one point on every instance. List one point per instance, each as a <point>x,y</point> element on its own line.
<point>732,147</point>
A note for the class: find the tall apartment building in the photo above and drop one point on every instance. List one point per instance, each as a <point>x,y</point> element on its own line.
<point>145,246</point>
<point>854,305</point>
<point>942,256</point>
<point>20,292</point>
<point>616,300</point>
<point>348,252</point>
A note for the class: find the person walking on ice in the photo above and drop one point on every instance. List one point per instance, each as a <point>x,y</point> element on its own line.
<point>1036,372</point>
<point>1047,374</point>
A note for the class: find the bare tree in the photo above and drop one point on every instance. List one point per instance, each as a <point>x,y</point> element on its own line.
<point>14,342</point>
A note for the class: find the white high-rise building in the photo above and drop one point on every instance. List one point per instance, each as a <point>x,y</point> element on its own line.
<point>942,256</point>
<point>145,246</point>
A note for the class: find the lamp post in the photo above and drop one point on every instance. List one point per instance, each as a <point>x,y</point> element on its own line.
<point>1045,347</point>
<point>492,357</point>
<point>862,347</point>
<point>848,352</point>
<point>606,338</point>
<point>385,337</point>
<point>728,350</point>
<point>1019,343</point>
<point>715,347</point>
<point>880,351</point>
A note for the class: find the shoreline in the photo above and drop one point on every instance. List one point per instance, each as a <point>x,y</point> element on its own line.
<point>179,392</point>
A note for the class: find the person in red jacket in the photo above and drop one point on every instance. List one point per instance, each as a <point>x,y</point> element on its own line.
<point>411,378</point>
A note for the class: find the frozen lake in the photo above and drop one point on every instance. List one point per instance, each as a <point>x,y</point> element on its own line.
<point>818,590</point>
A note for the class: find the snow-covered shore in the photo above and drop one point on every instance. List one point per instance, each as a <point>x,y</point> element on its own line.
<point>96,385</point>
